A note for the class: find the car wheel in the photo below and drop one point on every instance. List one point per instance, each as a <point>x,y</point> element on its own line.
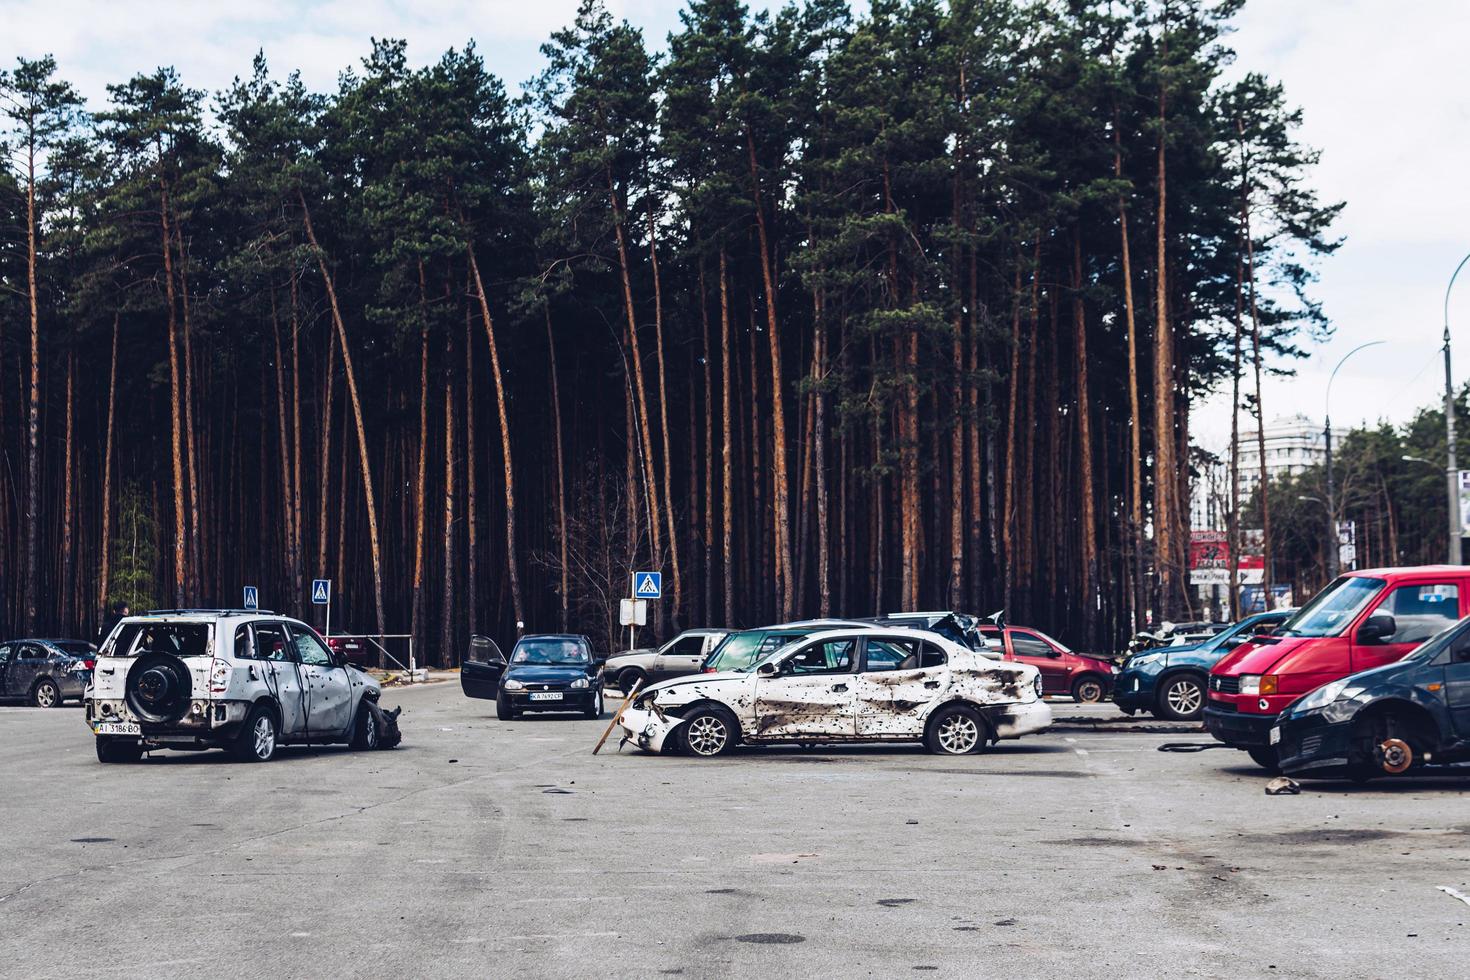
<point>956,730</point>
<point>365,731</point>
<point>257,739</point>
<point>46,695</point>
<point>113,749</point>
<point>596,710</point>
<point>504,710</point>
<point>1182,698</point>
<point>708,732</point>
<point>1265,757</point>
<point>629,679</point>
<point>1087,690</point>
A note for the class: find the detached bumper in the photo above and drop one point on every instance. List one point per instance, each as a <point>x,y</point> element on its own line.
<point>1244,731</point>
<point>646,729</point>
<point>1022,718</point>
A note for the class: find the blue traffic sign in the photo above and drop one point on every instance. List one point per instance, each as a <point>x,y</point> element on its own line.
<point>252,597</point>
<point>321,591</point>
<point>648,585</point>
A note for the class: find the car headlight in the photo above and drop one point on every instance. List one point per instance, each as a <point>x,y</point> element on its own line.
<point>1322,696</point>
<point>1144,660</point>
<point>511,684</point>
<point>1254,684</point>
<point>581,682</point>
<point>1036,685</point>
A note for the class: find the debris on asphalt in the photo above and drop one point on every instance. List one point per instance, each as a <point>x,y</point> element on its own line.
<point>1283,786</point>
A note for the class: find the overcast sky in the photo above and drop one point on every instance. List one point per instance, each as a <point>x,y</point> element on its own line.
<point>1383,85</point>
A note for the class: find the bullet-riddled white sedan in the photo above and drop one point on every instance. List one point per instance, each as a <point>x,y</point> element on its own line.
<point>846,685</point>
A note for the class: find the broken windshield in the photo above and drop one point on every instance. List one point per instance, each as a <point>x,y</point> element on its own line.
<point>179,639</point>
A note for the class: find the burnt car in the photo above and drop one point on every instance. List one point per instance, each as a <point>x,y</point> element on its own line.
<point>545,672</point>
<point>1390,719</point>
<point>45,673</point>
<point>846,685</point>
<point>684,654</point>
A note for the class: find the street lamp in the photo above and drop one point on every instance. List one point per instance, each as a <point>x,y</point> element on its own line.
<point>1332,554</point>
<point>1451,466</point>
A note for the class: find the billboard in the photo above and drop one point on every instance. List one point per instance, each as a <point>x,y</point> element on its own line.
<point>1209,558</point>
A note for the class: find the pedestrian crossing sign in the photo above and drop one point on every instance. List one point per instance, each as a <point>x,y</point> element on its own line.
<point>252,597</point>
<point>648,585</point>
<point>321,591</point>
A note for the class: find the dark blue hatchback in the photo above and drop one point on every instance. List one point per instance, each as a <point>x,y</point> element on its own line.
<point>1387,720</point>
<point>1170,682</point>
<point>551,672</point>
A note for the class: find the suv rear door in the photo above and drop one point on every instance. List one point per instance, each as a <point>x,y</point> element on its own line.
<point>283,674</point>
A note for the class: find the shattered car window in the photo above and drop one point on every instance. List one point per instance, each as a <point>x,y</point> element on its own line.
<point>179,639</point>
<point>831,657</point>
<point>892,654</point>
<point>742,651</point>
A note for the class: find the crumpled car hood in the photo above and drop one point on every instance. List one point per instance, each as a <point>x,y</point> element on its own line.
<point>688,679</point>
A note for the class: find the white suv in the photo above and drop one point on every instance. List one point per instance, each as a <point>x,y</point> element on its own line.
<point>243,680</point>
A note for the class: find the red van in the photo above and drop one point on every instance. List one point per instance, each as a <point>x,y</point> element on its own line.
<point>1363,619</point>
<point>1085,678</point>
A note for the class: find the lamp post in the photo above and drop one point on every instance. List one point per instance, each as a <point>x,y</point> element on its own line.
<point>1332,554</point>
<point>1451,466</point>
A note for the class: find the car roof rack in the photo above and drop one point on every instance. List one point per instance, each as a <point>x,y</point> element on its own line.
<point>210,612</point>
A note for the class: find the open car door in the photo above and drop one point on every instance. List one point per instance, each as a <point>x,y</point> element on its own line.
<point>479,675</point>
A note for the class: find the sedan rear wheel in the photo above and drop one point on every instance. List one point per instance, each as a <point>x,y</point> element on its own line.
<point>957,730</point>
<point>1088,690</point>
<point>46,695</point>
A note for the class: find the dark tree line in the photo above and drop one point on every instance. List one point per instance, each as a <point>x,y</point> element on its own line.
<point>817,313</point>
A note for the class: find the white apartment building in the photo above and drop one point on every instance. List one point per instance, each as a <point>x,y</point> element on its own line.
<point>1293,443</point>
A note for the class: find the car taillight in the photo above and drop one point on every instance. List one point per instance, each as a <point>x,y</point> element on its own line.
<point>709,670</point>
<point>219,676</point>
<point>90,664</point>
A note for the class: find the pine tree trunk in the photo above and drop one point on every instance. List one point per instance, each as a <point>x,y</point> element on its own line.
<point>106,547</point>
<point>1250,275</point>
<point>298,519</point>
<point>446,620</point>
<point>421,469</point>
<point>191,455</point>
<point>504,416</point>
<point>176,435</point>
<point>819,408</point>
<point>283,427</point>
<point>1233,514</point>
<point>564,592</point>
<point>362,446</point>
<point>727,476</point>
<point>778,400</point>
<point>68,519</point>
<point>1084,447</point>
<point>33,402</point>
<point>472,518</point>
<point>1165,516</point>
<point>663,412</point>
<point>1135,411</point>
<point>324,470</point>
<point>1008,522</point>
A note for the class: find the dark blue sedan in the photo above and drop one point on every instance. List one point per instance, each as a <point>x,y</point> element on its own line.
<point>551,672</point>
<point>1170,682</point>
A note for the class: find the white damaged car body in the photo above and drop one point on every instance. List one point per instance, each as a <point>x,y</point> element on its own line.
<point>846,685</point>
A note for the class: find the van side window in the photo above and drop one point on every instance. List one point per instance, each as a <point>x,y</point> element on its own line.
<point>1420,611</point>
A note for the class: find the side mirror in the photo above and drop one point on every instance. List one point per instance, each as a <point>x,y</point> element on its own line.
<point>768,669</point>
<point>1376,629</point>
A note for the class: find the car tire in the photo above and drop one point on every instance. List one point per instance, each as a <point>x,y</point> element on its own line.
<point>112,749</point>
<point>258,737</point>
<point>1265,756</point>
<point>708,732</point>
<point>504,710</point>
<point>630,678</point>
<point>46,694</point>
<point>596,710</point>
<point>1182,698</point>
<point>365,731</point>
<point>956,729</point>
<point>1088,690</point>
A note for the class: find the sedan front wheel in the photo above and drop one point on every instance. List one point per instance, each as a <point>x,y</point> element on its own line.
<point>708,732</point>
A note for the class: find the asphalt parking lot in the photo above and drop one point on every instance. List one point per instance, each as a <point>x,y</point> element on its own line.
<point>483,848</point>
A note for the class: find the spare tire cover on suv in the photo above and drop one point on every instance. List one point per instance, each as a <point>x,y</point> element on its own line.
<point>158,688</point>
